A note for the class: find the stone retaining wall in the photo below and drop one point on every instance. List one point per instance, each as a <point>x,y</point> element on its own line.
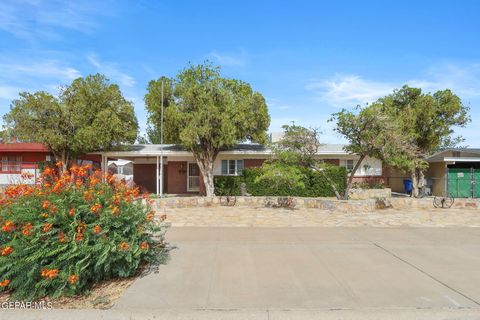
<point>361,194</point>
<point>427,203</point>
<point>320,203</point>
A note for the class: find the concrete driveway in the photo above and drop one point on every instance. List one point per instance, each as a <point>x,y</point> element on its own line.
<point>290,271</point>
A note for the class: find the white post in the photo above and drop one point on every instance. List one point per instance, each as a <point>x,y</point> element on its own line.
<point>161,149</point>
<point>158,191</point>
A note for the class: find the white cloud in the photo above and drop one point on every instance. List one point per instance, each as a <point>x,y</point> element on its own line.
<point>346,90</point>
<point>349,90</point>
<point>9,92</point>
<point>111,71</point>
<point>30,19</point>
<point>230,58</point>
<point>45,69</point>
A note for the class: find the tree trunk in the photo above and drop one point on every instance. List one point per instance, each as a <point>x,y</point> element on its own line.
<point>332,184</point>
<point>205,164</point>
<point>350,177</point>
<point>414,183</point>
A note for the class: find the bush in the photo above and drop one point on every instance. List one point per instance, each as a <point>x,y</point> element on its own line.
<point>314,183</point>
<point>69,231</point>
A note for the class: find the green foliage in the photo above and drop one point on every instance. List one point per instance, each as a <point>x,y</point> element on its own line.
<point>311,183</point>
<point>206,113</point>
<point>90,114</point>
<point>63,236</point>
<point>427,120</point>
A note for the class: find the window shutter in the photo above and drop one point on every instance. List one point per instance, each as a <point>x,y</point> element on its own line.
<point>239,167</point>
<point>224,167</point>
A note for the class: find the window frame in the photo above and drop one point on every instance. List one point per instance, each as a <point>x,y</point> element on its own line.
<point>229,168</point>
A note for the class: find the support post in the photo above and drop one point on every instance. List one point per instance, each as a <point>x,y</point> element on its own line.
<point>157,174</point>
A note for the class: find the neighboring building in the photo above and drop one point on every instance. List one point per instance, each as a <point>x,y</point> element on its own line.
<point>122,169</point>
<point>182,175</point>
<point>455,172</point>
<point>21,158</point>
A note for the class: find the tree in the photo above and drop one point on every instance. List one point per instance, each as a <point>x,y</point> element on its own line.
<point>428,121</point>
<point>371,133</point>
<point>206,113</point>
<point>299,146</point>
<point>88,115</point>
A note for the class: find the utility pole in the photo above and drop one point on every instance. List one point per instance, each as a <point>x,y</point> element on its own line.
<point>161,147</point>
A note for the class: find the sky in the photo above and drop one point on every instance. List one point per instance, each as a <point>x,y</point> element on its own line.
<point>308,58</point>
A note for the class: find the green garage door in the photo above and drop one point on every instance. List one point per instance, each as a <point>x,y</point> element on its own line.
<point>460,182</point>
<point>476,183</point>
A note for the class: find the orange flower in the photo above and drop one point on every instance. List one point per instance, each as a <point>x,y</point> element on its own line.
<point>27,229</point>
<point>53,209</point>
<point>115,211</point>
<point>72,278</point>
<point>163,217</point>
<point>49,273</point>
<point>6,251</point>
<point>79,237</point>
<point>97,229</point>
<point>45,204</point>
<point>94,181</point>
<point>144,245</point>
<point>71,213</point>
<point>8,226</point>
<point>78,182</point>
<point>150,215</point>
<point>96,208</point>
<point>4,283</point>
<point>48,171</point>
<point>61,237</point>
<point>59,164</point>
<point>87,196</point>
<point>46,227</point>
<point>44,215</point>
<point>124,246</point>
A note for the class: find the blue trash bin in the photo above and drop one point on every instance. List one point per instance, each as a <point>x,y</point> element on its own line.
<point>408,185</point>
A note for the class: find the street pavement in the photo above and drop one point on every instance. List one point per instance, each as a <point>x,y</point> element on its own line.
<point>304,273</point>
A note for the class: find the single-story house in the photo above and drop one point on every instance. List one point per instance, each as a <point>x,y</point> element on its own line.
<point>182,175</point>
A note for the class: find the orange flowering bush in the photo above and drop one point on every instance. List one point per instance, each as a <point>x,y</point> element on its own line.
<point>71,230</point>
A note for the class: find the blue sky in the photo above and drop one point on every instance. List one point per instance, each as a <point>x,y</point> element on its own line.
<point>308,58</point>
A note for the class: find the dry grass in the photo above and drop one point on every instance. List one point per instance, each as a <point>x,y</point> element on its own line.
<point>102,296</point>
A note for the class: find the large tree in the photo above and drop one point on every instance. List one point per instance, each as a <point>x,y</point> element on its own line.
<point>427,120</point>
<point>371,132</point>
<point>89,114</point>
<point>298,147</point>
<point>205,113</point>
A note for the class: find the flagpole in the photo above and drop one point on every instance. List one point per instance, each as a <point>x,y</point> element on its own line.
<point>161,147</point>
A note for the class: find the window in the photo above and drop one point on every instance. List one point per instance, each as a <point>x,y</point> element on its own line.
<point>11,163</point>
<point>232,167</point>
<point>348,164</point>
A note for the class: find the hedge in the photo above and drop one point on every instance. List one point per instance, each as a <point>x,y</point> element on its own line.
<point>315,184</point>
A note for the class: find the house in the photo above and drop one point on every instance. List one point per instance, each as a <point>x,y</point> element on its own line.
<point>21,158</point>
<point>182,175</point>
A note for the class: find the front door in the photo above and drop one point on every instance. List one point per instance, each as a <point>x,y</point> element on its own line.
<point>193,177</point>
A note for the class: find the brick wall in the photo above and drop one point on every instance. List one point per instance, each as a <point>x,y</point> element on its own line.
<point>144,176</point>
<point>177,177</point>
<point>335,162</point>
<point>252,163</point>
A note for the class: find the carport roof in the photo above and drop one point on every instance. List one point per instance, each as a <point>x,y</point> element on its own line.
<point>466,154</point>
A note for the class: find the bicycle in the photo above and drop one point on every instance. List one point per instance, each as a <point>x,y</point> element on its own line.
<point>228,201</point>
<point>444,202</point>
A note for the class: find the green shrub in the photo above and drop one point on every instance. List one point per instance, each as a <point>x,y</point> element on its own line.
<point>73,230</point>
<point>313,184</point>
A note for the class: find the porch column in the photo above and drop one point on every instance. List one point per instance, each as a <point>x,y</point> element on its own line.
<point>156,176</point>
<point>161,177</point>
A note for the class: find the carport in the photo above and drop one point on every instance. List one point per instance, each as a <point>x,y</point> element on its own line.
<point>455,172</point>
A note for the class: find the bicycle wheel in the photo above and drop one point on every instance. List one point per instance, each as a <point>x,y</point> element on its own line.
<point>437,202</point>
<point>448,202</point>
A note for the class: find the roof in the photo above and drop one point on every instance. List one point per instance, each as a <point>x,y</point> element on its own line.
<point>23,147</point>
<point>243,148</point>
<point>447,154</point>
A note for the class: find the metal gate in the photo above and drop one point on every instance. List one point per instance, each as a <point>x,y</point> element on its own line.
<point>463,182</point>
